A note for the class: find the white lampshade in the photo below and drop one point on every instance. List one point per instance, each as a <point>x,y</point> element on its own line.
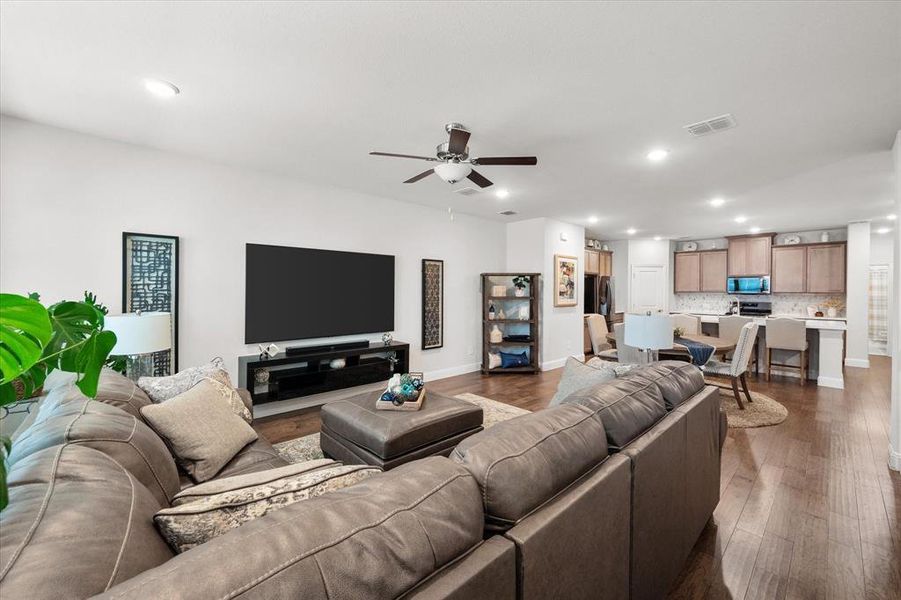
<point>649,332</point>
<point>452,172</point>
<point>140,333</point>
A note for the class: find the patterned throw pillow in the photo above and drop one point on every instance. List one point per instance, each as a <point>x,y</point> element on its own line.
<point>578,375</point>
<point>161,389</point>
<point>203,512</point>
<point>619,368</point>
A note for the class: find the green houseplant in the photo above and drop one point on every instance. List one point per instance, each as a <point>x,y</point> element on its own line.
<point>35,339</point>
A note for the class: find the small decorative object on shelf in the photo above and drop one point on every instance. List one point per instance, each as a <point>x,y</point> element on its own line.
<point>404,392</point>
<point>499,290</point>
<point>386,338</point>
<point>501,315</point>
<point>337,363</point>
<point>491,312</point>
<point>495,337</point>
<point>832,306</point>
<point>261,376</point>
<point>524,312</point>
<point>519,283</point>
<point>824,237</point>
<point>268,351</point>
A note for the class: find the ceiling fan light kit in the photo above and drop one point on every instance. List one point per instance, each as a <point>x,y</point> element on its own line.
<point>455,164</point>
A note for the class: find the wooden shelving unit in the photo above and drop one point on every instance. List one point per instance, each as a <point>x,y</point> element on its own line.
<point>511,304</point>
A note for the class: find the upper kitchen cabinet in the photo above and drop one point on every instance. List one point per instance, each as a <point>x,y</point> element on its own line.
<point>750,255</point>
<point>789,269</point>
<point>592,262</point>
<point>700,271</point>
<point>713,271</point>
<point>826,269</point>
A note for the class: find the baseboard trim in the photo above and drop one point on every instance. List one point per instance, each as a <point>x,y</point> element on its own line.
<point>550,365</point>
<point>831,382</point>
<point>860,363</point>
<point>451,372</point>
<point>894,459</point>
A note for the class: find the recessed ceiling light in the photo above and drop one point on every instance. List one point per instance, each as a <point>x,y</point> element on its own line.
<point>717,201</point>
<point>502,193</point>
<point>161,88</point>
<point>741,219</point>
<point>883,230</point>
<point>592,219</point>
<point>631,231</point>
<point>891,217</point>
<point>657,154</point>
<point>657,238</point>
<point>754,230</point>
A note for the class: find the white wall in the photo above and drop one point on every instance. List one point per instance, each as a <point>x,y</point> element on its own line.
<point>895,323</point>
<point>66,198</point>
<point>856,300</point>
<point>882,249</point>
<point>531,246</point>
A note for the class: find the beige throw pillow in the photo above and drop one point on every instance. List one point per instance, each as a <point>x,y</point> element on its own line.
<point>161,389</point>
<point>200,429</point>
<point>210,509</point>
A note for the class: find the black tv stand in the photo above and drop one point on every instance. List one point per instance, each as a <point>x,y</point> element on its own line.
<point>308,371</point>
<point>298,350</point>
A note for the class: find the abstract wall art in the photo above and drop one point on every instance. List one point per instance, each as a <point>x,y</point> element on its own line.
<point>432,303</point>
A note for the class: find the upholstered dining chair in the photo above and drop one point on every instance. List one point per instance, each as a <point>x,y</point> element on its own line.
<point>737,369</point>
<point>690,324</point>
<point>597,334</point>
<point>625,354</point>
<point>786,334</point>
<point>729,328</point>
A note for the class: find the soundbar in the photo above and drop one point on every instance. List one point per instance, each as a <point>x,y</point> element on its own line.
<point>295,350</point>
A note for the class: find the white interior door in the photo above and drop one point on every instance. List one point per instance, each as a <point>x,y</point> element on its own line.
<point>647,288</point>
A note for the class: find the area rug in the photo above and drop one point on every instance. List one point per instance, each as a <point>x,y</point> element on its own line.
<point>306,448</point>
<point>763,412</point>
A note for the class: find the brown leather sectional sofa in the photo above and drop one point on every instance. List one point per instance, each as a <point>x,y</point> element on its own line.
<point>601,497</point>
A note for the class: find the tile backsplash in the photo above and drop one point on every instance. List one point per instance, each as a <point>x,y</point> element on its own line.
<point>783,304</point>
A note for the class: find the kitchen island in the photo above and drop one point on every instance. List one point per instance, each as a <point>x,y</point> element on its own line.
<point>825,336</point>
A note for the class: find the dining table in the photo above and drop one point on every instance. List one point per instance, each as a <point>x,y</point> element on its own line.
<point>721,346</point>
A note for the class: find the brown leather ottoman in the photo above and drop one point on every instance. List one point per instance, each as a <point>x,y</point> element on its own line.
<point>355,432</point>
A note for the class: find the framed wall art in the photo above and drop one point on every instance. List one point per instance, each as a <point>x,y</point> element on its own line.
<point>432,303</point>
<point>150,284</point>
<point>566,270</point>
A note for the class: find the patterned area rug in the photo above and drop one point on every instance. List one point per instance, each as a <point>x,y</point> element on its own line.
<point>763,412</point>
<point>306,448</point>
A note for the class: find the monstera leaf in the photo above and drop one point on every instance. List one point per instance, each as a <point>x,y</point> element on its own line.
<point>79,344</point>
<point>25,331</point>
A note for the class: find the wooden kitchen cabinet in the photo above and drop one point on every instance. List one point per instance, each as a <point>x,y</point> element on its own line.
<point>826,269</point>
<point>713,271</point>
<point>750,255</point>
<point>687,277</point>
<point>789,269</point>
<point>605,263</point>
<point>592,262</point>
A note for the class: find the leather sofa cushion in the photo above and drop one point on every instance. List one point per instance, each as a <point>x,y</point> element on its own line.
<point>678,380</point>
<point>67,416</point>
<point>524,462</point>
<point>118,390</point>
<point>77,524</point>
<point>389,434</point>
<point>375,539</point>
<point>628,407</point>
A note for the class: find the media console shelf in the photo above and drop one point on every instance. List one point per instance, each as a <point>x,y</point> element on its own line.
<point>308,373</point>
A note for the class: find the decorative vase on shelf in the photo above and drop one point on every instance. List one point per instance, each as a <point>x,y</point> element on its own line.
<point>491,312</point>
<point>386,338</point>
<point>524,313</point>
<point>519,292</point>
<point>261,376</point>
<point>824,237</point>
<point>832,312</point>
<point>495,337</point>
<point>501,315</point>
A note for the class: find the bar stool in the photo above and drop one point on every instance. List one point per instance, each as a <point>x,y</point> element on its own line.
<point>690,324</point>
<point>730,327</point>
<point>786,334</point>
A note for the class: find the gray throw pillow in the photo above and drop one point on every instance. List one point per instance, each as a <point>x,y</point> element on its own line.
<point>200,429</point>
<point>210,509</point>
<point>161,389</point>
<point>578,375</point>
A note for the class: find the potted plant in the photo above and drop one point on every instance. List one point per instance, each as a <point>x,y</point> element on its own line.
<point>35,339</point>
<point>519,283</point>
<point>833,305</point>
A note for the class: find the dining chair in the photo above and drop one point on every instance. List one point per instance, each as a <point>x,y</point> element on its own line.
<point>736,370</point>
<point>690,324</point>
<point>783,333</point>
<point>597,334</point>
<point>729,328</point>
<point>625,354</point>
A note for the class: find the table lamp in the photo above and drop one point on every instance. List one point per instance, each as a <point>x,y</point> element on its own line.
<point>138,335</point>
<point>649,332</point>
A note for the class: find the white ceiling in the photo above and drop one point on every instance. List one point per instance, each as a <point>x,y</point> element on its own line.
<point>308,89</point>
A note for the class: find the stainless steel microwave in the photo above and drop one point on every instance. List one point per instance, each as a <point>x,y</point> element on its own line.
<point>748,285</point>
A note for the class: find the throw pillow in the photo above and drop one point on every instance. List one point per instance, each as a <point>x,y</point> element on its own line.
<point>578,375</point>
<point>205,511</point>
<point>161,389</point>
<point>509,360</point>
<point>494,360</point>
<point>619,368</point>
<point>200,429</point>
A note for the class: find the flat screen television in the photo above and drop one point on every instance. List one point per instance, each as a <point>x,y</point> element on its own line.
<point>301,293</point>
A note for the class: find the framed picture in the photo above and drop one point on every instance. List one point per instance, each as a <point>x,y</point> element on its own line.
<point>432,303</point>
<point>566,270</point>
<point>150,284</point>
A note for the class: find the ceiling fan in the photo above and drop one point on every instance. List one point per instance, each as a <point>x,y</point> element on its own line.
<point>455,162</point>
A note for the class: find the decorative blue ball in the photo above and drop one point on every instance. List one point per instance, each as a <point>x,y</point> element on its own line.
<point>387,397</point>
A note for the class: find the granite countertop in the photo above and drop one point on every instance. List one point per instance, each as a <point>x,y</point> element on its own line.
<point>834,324</point>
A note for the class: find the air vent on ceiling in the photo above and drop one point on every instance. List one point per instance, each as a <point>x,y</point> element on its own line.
<point>467,191</point>
<point>507,213</point>
<point>720,123</point>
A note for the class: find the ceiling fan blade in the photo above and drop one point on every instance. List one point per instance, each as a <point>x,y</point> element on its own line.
<point>506,160</point>
<point>478,179</point>
<point>458,140</point>
<point>403,156</point>
<point>422,175</point>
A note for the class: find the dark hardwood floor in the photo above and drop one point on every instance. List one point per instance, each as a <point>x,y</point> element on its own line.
<point>808,508</point>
